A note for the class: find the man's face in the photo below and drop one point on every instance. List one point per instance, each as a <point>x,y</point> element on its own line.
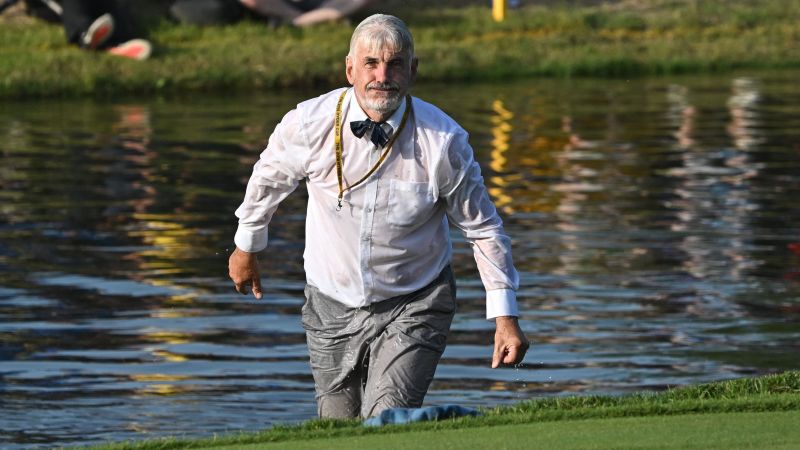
<point>381,78</point>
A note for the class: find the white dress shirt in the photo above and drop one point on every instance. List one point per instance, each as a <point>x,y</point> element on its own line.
<point>391,236</point>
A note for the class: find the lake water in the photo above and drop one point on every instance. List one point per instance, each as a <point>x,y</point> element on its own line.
<point>655,223</point>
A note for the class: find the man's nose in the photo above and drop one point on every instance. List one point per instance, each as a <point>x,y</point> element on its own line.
<point>382,73</point>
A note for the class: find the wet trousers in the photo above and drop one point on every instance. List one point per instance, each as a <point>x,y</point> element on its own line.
<point>381,356</point>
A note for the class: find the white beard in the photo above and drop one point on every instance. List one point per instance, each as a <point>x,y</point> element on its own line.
<point>384,105</point>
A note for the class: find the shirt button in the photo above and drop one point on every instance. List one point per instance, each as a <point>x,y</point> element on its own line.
<point>368,209</point>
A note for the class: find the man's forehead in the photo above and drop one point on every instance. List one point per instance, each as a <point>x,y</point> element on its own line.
<point>379,50</point>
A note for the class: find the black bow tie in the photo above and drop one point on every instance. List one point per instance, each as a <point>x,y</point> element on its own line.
<point>378,135</point>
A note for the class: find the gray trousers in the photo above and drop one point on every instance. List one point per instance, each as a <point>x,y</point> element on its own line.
<point>381,356</point>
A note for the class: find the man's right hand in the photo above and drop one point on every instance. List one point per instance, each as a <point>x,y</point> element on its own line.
<point>243,270</point>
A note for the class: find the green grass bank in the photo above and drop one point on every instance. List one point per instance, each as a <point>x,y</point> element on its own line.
<point>775,430</point>
<point>760,412</point>
<point>456,41</point>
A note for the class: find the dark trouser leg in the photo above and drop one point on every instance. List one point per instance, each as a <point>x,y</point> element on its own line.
<point>78,15</point>
<point>124,28</point>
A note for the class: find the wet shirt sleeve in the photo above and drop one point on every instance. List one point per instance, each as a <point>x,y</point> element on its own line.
<point>277,174</point>
<point>470,209</point>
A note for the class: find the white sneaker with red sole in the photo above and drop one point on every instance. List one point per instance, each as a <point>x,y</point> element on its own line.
<point>138,49</point>
<point>98,32</point>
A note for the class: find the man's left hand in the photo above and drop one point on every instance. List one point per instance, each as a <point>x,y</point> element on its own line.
<point>510,344</point>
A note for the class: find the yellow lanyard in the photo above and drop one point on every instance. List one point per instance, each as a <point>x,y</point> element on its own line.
<point>337,129</point>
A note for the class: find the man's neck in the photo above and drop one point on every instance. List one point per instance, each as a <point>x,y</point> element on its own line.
<point>378,117</point>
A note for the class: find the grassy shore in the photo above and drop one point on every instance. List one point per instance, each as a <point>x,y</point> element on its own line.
<point>454,43</point>
<point>720,414</point>
<point>763,430</point>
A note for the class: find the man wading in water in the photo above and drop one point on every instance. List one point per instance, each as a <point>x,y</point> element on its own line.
<point>386,173</point>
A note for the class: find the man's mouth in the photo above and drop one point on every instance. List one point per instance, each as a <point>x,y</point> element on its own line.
<point>383,88</point>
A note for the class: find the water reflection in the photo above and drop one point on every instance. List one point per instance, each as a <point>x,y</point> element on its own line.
<point>655,228</point>
<point>713,193</point>
<point>501,134</point>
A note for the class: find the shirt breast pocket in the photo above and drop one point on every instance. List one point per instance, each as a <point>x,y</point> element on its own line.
<point>409,202</point>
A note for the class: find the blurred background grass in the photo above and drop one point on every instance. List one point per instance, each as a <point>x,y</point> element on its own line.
<point>456,41</point>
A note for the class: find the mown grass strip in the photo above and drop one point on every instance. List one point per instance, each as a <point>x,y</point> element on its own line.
<point>561,39</point>
<point>773,393</point>
<point>772,430</point>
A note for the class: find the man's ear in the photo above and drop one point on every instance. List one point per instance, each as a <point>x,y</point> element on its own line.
<point>348,69</point>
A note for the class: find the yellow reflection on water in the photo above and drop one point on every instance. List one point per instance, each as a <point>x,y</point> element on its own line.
<point>168,337</point>
<point>182,299</point>
<point>521,168</point>
<point>161,389</point>
<point>169,240</point>
<point>501,136</point>
<point>169,356</point>
<point>160,384</point>
<point>498,386</point>
<point>157,377</point>
<point>172,314</point>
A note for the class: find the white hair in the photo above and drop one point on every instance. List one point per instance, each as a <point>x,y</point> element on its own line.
<point>379,30</point>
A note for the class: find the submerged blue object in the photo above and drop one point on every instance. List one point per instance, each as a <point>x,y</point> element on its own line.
<point>408,415</point>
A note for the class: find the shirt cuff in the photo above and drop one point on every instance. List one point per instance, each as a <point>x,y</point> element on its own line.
<point>501,302</point>
<point>251,242</point>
